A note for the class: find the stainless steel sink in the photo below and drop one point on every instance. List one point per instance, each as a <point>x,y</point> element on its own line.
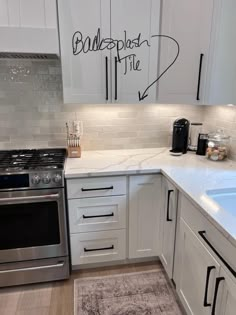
<point>225,198</point>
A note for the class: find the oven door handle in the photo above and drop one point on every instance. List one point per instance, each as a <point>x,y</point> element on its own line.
<point>28,198</point>
<point>59,265</point>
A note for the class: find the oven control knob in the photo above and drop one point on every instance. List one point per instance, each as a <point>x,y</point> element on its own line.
<point>46,179</point>
<point>57,178</point>
<point>35,179</point>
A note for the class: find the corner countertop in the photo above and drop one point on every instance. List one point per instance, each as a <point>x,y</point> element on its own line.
<point>193,175</point>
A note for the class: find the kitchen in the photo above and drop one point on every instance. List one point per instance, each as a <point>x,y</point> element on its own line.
<point>125,143</point>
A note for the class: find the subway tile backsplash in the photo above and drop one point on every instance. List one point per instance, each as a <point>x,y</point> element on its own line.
<point>32,113</point>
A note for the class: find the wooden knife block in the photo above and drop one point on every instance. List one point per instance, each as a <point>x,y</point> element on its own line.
<point>74,152</point>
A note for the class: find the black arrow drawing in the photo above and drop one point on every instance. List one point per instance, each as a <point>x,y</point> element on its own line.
<point>144,94</point>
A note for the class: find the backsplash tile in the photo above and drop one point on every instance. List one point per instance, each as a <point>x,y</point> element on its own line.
<point>32,113</point>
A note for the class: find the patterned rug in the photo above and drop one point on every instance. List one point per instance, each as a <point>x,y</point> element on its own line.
<point>140,293</point>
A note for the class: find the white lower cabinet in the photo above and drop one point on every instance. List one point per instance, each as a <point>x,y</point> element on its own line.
<point>225,297</point>
<point>185,240</point>
<point>168,225</point>
<point>96,247</point>
<point>197,273</point>
<point>144,215</point>
<point>97,218</point>
<point>204,270</point>
<point>97,209</point>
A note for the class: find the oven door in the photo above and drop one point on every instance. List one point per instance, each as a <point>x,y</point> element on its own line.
<point>32,225</point>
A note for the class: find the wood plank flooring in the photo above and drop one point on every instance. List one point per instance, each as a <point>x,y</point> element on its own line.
<point>56,298</point>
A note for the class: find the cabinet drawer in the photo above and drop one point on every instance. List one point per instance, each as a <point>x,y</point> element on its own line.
<point>198,222</point>
<point>97,214</point>
<point>96,187</point>
<point>95,247</point>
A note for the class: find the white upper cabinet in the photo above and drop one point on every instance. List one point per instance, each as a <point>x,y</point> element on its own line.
<point>134,23</point>
<point>85,67</point>
<point>28,26</point>
<point>107,50</point>
<point>189,23</point>
<point>221,82</point>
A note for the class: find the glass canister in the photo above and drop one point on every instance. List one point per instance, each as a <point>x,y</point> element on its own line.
<point>217,146</point>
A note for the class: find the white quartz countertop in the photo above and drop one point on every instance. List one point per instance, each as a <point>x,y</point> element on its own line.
<point>192,174</point>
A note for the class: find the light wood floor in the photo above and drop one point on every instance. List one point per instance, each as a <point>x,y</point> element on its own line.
<point>56,298</point>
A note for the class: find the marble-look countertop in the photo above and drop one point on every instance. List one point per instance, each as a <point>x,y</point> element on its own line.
<point>191,174</point>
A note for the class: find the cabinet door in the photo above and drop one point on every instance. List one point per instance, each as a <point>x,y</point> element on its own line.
<point>226,297</point>
<point>189,23</point>
<point>222,65</point>
<point>168,225</point>
<point>84,67</point>
<point>133,23</point>
<point>198,271</point>
<point>144,215</point>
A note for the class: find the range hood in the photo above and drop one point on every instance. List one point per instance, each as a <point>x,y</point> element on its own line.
<point>28,56</point>
<point>32,43</point>
<point>29,29</point>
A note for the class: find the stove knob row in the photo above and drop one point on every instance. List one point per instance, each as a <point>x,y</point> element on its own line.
<point>35,179</point>
<point>57,178</point>
<point>46,179</point>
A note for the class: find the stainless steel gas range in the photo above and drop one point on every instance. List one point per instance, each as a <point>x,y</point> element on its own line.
<point>33,229</point>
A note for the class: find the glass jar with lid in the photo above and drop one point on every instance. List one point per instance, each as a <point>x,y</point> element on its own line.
<point>218,146</point>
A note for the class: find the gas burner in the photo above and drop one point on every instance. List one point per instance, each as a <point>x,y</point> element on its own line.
<point>25,155</point>
<point>41,159</point>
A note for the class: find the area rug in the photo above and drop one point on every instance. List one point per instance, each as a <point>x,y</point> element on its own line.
<point>139,293</point>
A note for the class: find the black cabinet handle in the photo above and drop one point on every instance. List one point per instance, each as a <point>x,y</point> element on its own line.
<point>95,249</point>
<point>168,206</point>
<point>202,234</point>
<point>106,65</point>
<point>98,216</point>
<point>93,189</point>
<point>218,280</point>
<point>199,77</point>
<point>115,78</point>
<point>209,269</point>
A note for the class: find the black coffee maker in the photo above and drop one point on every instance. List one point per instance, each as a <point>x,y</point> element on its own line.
<point>180,137</point>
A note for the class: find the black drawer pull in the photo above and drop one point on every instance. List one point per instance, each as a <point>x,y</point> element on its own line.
<point>218,280</point>
<point>168,206</point>
<point>116,78</point>
<point>95,249</point>
<point>98,216</point>
<point>209,269</point>
<point>202,234</point>
<point>106,66</point>
<point>199,77</point>
<point>94,189</point>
